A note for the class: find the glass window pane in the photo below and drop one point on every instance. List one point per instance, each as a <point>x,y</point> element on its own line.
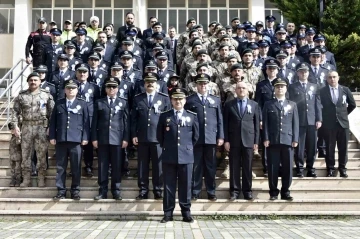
<point>269,4</point>
<point>163,19</point>
<point>82,4</point>
<point>173,19</point>
<point>62,3</point>
<point>223,17</point>
<point>152,13</point>
<point>244,15</point>
<point>36,14</point>
<point>87,15</point>
<point>103,3</point>
<point>192,13</point>
<point>41,3</point>
<point>203,18</point>
<point>238,3</point>
<point>12,16</point>
<point>267,12</point>
<point>122,4</point>
<point>77,16</point>
<point>57,18</point>
<point>233,13</point>
<point>218,3</point>
<point>47,15</point>
<point>214,15</point>
<point>277,15</point>
<point>198,3</point>
<point>98,13</point>
<point>177,3</point>
<point>4,15</point>
<point>182,21</point>
<point>118,19</point>
<point>157,4</point>
<point>66,15</point>
<point>107,17</point>
<point>7,3</point>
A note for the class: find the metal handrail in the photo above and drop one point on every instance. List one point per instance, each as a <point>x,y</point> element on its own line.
<point>7,92</point>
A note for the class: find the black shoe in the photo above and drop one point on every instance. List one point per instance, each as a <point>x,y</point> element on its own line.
<point>266,174</point>
<point>321,154</point>
<point>248,197</point>
<point>194,197</point>
<point>232,197</point>
<point>212,197</point>
<point>158,196</point>
<point>343,174</point>
<point>272,198</point>
<point>99,197</point>
<point>34,173</point>
<point>110,171</point>
<point>311,174</point>
<point>188,219</point>
<point>142,196</point>
<point>59,196</point>
<point>287,197</point>
<point>126,173</point>
<point>75,196</point>
<point>330,174</point>
<point>69,174</point>
<point>300,174</point>
<point>89,172</point>
<point>117,197</point>
<point>166,219</point>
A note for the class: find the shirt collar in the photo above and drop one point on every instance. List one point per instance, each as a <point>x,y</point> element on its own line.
<point>181,111</point>
<point>243,100</point>
<point>334,87</point>
<point>67,101</point>
<point>152,94</point>
<point>200,95</point>
<point>283,99</point>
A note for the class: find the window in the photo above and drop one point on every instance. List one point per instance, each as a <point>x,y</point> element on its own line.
<point>7,8</point>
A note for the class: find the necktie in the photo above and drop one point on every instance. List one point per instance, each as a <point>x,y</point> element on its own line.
<point>111,102</point>
<point>150,100</point>
<point>178,116</point>
<point>160,72</point>
<point>334,96</point>
<point>61,74</point>
<point>125,73</point>
<point>283,73</point>
<point>92,73</point>
<point>69,104</point>
<point>203,100</point>
<point>281,104</point>
<point>304,86</point>
<point>82,86</point>
<point>54,47</point>
<point>310,46</point>
<point>316,71</point>
<point>242,107</point>
<point>271,32</point>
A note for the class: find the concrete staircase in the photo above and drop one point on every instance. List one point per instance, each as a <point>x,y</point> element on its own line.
<point>320,196</point>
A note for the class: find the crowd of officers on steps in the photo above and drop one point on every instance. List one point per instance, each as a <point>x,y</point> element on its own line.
<point>183,102</point>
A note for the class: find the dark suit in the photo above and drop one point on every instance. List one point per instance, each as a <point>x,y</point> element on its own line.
<point>289,76</point>
<point>58,81</point>
<point>69,127</point>
<point>144,118</point>
<point>73,62</point>
<point>147,33</point>
<point>309,110</point>
<point>139,87</point>
<point>320,77</point>
<point>177,140</point>
<point>90,94</point>
<point>242,131</point>
<point>84,51</point>
<point>120,35</point>
<point>110,127</point>
<point>330,58</point>
<point>281,128</point>
<point>133,75</point>
<point>304,52</point>
<point>51,56</point>
<point>293,61</point>
<point>210,130</point>
<point>98,77</point>
<point>49,87</point>
<point>336,124</point>
<point>109,53</point>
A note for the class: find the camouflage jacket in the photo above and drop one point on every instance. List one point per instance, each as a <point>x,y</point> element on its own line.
<point>252,75</point>
<point>213,88</point>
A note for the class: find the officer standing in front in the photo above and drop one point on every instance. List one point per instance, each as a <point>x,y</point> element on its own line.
<point>110,133</point>
<point>177,133</point>
<point>280,136</point>
<point>69,129</point>
<point>306,96</point>
<point>145,114</point>
<point>211,134</point>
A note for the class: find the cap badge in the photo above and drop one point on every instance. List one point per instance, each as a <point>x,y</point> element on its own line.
<point>202,75</point>
<point>70,81</point>
<point>178,90</point>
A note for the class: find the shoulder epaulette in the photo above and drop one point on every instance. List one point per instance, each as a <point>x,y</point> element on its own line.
<point>123,98</point>
<point>167,111</point>
<point>60,99</point>
<point>214,95</point>
<point>139,94</point>
<point>92,83</point>
<point>191,112</point>
<point>44,90</point>
<point>80,99</point>
<point>50,84</point>
<point>102,70</point>
<point>134,69</point>
<point>323,67</point>
<point>163,94</point>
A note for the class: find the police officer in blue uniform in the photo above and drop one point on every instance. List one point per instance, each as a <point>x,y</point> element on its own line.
<point>145,114</point>
<point>242,130</point>
<point>211,134</point>
<point>177,133</point>
<point>110,133</point>
<point>280,135</point>
<point>42,71</point>
<point>69,129</point>
<point>96,74</point>
<point>306,96</point>
<point>89,92</point>
<point>161,86</point>
<point>53,50</point>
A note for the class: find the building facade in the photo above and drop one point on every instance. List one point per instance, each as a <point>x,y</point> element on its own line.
<point>19,17</point>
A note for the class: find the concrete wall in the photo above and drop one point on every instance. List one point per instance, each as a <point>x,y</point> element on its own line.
<point>6,50</point>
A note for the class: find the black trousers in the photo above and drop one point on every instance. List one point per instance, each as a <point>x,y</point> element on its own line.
<point>339,136</point>
<point>264,154</point>
<point>177,174</point>
<point>240,157</point>
<point>149,152</point>
<point>204,166</point>
<point>109,154</point>
<point>321,144</point>
<point>307,141</point>
<point>284,155</point>
<point>88,151</point>
<point>63,151</point>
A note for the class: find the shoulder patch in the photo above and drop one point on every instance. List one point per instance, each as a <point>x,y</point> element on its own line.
<point>139,94</point>
<point>214,95</point>
<point>44,90</point>
<point>167,111</point>
<point>50,84</point>
<point>123,98</point>
<point>191,112</point>
<point>163,94</point>
<point>80,99</point>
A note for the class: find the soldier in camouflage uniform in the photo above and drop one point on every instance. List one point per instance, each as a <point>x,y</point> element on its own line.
<point>184,36</point>
<point>34,106</point>
<point>15,156</point>
<point>186,65</point>
<point>212,86</point>
<point>225,77</point>
<point>202,57</point>
<point>252,74</point>
<point>220,63</point>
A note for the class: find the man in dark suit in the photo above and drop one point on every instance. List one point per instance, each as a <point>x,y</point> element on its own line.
<point>173,44</point>
<point>211,134</point>
<point>242,130</point>
<point>306,96</point>
<point>69,129</point>
<point>304,50</point>
<point>82,46</point>
<point>337,102</point>
<point>110,133</point>
<point>160,86</point>
<point>129,72</point>
<point>145,115</point>
<point>165,65</point>
<point>96,74</point>
<point>280,135</point>
<point>177,133</point>
<point>53,50</point>
<point>149,31</point>
<point>89,92</point>
<point>129,19</point>
<point>285,72</point>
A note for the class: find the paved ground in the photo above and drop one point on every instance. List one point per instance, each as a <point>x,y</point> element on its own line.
<point>199,229</point>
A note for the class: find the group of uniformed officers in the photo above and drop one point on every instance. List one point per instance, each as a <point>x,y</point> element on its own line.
<point>287,105</point>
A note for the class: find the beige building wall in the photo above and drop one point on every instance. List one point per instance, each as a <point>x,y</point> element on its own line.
<point>6,50</point>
